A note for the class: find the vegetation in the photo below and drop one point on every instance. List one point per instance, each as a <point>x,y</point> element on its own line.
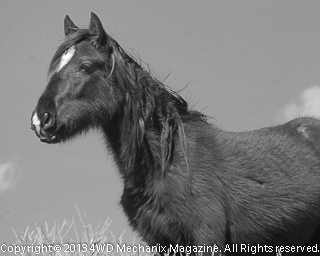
<point>54,241</point>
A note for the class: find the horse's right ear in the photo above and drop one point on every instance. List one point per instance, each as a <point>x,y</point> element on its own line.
<point>96,28</point>
<point>69,26</point>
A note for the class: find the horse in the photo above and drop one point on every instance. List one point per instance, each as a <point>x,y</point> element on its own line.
<point>187,183</point>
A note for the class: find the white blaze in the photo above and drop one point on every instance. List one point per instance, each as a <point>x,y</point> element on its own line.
<point>36,122</point>
<point>66,57</point>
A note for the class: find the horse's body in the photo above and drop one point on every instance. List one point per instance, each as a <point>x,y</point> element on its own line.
<point>258,187</point>
<point>186,182</point>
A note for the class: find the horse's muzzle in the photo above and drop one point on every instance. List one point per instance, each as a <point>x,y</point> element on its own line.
<point>45,127</point>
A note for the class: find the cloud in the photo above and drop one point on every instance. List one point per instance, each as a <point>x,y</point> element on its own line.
<point>7,176</point>
<point>307,105</point>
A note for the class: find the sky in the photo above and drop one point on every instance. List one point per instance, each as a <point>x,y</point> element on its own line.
<point>246,64</point>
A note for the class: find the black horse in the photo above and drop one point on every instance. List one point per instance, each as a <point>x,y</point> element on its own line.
<point>186,182</point>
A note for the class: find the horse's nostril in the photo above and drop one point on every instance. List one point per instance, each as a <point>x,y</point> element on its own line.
<point>47,121</point>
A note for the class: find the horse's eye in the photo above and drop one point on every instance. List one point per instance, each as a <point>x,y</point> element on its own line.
<point>85,67</point>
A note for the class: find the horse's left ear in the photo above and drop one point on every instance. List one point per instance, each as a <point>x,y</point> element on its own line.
<point>69,26</point>
<point>96,28</point>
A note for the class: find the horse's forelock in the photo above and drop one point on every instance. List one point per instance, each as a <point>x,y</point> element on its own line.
<point>78,36</point>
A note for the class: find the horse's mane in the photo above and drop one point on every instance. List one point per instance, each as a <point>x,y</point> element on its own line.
<point>148,102</point>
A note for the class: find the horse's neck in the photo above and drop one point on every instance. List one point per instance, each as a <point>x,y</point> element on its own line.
<point>139,159</point>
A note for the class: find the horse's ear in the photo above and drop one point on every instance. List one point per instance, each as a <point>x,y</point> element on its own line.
<point>96,28</point>
<point>69,26</point>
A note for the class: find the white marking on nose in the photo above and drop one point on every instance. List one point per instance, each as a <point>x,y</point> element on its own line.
<point>36,122</point>
<point>66,57</point>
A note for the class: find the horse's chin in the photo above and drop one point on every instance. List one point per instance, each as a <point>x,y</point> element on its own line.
<point>53,140</point>
<point>50,139</point>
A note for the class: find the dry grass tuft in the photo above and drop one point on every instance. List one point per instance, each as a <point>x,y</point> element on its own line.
<point>46,241</point>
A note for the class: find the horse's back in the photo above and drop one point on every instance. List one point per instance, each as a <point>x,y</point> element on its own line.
<point>298,139</point>
<point>305,128</point>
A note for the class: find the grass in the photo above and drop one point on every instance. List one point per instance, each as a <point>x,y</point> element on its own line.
<point>46,240</point>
